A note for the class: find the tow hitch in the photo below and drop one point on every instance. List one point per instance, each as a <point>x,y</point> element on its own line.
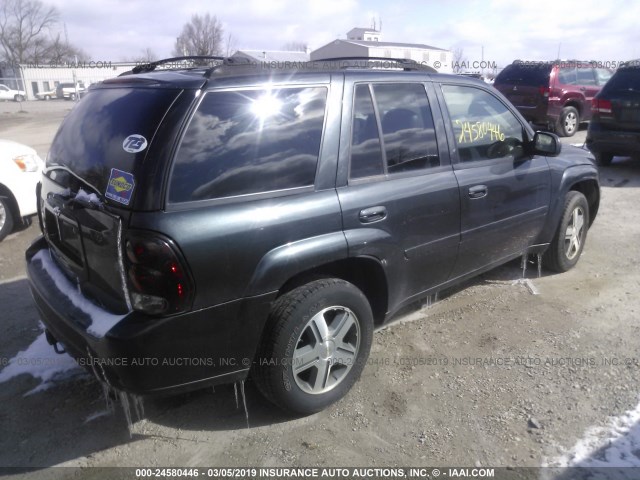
<point>51,340</point>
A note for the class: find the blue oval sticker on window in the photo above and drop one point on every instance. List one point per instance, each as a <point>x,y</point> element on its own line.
<point>134,143</point>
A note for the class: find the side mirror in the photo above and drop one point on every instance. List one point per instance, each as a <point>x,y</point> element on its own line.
<point>545,143</point>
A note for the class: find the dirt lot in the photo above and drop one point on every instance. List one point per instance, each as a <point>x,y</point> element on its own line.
<point>489,375</point>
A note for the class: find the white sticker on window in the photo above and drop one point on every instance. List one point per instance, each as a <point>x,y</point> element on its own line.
<point>134,143</point>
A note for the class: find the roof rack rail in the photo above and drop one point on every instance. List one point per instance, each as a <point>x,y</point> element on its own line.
<point>204,60</point>
<point>404,63</point>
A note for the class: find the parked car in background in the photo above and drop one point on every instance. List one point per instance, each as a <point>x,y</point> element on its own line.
<point>47,95</point>
<point>7,93</point>
<point>615,125</point>
<point>252,221</point>
<point>20,172</point>
<point>554,95</point>
<point>70,91</point>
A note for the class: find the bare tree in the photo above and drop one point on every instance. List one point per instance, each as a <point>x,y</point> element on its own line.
<point>24,26</point>
<point>61,51</point>
<point>296,46</point>
<point>146,55</point>
<point>231,45</point>
<point>202,35</point>
<point>458,60</point>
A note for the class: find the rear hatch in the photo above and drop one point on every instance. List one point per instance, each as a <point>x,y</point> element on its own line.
<point>618,104</point>
<point>89,187</point>
<point>527,87</point>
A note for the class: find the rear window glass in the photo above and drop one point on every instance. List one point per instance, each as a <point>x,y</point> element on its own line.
<point>624,79</point>
<point>250,141</point>
<point>525,74</point>
<point>93,137</point>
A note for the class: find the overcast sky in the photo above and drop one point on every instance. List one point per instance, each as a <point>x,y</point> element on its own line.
<point>112,30</point>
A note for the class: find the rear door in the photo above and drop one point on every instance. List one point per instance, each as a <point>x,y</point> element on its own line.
<point>504,192</point>
<point>398,193</point>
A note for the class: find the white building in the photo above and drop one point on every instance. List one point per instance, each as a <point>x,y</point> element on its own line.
<point>366,34</point>
<point>267,56</point>
<point>362,42</point>
<point>42,78</point>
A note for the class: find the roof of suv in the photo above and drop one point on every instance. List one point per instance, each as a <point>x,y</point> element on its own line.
<point>197,76</point>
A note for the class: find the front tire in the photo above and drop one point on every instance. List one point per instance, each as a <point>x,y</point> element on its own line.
<point>6,220</point>
<point>568,242</point>
<point>568,122</point>
<point>315,346</point>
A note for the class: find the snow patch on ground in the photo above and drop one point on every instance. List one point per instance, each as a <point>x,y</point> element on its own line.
<point>615,445</point>
<point>101,320</point>
<point>40,361</point>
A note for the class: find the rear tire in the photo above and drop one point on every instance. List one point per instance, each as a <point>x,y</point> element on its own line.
<point>6,219</point>
<point>568,242</point>
<point>18,98</point>
<point>315,345</point>
<point>568,122</point>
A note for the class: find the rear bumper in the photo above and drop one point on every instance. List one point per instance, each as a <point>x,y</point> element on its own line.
<point>143,355</point>
<point>615,142</point>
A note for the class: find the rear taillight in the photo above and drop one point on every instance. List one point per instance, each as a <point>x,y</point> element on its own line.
<point>603,107</point>
<point>544,91</point>
<point>159,282</point>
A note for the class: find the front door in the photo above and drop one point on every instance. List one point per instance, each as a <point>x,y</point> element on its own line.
<point>504,191</point>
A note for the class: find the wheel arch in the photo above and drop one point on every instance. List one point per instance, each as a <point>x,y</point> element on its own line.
<point>580,178</point>
<point>325,256</point>
<point>366,273</point>
<point>13,203</point>
<point>591,190</point>
<point>573,102</point>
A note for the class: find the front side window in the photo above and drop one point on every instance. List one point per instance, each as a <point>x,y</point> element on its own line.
<point>586,76</point>
<point>397,136</point>
<point>483,126</point>
<point>603,75</point>
<point>250,141</point>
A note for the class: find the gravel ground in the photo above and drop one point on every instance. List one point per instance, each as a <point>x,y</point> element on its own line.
<point>490,374</point>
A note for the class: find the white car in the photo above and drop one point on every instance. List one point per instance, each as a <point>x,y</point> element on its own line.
<point>20,171</point>
<point>7,93</point>
<point>46,95</point>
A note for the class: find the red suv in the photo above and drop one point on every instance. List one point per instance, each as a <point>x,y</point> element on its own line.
<point>556,95</point>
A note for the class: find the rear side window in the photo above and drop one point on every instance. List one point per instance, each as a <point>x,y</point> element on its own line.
<point>400,138</point>
<point>249,141</point>
<point>603,75</point>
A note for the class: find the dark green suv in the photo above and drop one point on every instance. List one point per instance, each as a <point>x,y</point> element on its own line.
<point>203,224</point>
